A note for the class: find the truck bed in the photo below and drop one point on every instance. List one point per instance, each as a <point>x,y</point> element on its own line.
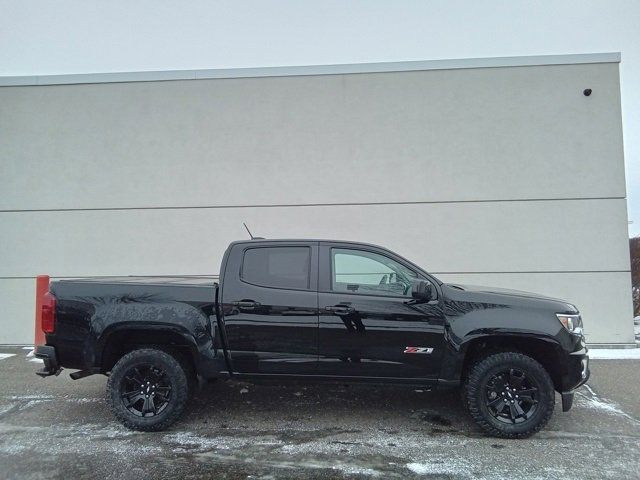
<point>182,289</point>
<point>147,280</point>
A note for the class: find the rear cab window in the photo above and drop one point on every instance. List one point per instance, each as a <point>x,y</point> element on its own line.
<point>277,267</point>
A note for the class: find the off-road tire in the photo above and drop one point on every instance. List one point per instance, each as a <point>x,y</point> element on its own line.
<point>476,383</point>
<point>175,375</point>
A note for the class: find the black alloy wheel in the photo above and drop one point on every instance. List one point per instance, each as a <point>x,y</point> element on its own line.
<point>146,390</point>
<point>511,396</point>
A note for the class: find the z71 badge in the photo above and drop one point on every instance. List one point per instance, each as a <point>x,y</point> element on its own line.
<point>426,350</point>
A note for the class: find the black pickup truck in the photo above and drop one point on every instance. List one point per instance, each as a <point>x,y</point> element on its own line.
<point>314,310</point>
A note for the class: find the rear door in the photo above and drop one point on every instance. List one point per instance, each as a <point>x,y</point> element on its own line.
<point>369,325</point>
<point>270,307</point>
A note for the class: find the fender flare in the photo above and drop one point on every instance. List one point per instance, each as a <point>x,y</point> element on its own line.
<point>176,331</point>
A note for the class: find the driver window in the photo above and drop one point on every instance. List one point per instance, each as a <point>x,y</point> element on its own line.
<point>358,271</point>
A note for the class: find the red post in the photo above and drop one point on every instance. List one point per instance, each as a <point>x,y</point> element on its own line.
<point>42,287</point>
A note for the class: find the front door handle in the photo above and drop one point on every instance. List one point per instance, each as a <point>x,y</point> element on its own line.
<point>246,304</point>
<point>340,309</point>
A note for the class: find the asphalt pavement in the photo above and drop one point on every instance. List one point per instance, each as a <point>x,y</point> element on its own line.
<point>59,428</point>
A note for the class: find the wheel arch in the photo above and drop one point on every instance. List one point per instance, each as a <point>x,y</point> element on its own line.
<point>121,340</point>
<point>545,351</point>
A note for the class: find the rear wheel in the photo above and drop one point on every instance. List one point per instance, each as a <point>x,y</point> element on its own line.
<point>509,395</point>
<point>147,389</point>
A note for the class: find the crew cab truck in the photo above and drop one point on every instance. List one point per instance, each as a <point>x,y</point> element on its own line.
<point>314,310</point>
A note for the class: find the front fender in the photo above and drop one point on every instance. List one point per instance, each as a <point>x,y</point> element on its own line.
<point>469,323</point>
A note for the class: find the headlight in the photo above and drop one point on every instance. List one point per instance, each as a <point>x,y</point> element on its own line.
<point>573,323</point>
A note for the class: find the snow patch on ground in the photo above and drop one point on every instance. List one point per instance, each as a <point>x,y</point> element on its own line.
<point>420,468</point>
<point>603,405</point>
<point>6,355</point>
<point>98,439</point>
<point>431,468</point>
<point>296,464</point>
<point>337,444</point>
<point>28,401</point>
<point>614,353</point>
<point>355,470</point>
<point>32,403</point>
<point>46,398</point>
<point>107,431</point>
<point>6,408</point>
<point>190,442</point>
<point>83,400</point>
<point>30,397</point>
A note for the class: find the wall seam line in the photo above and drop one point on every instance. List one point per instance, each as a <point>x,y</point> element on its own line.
<point>297,205</point>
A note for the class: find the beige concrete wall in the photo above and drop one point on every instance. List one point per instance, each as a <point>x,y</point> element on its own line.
<point>504,176</point>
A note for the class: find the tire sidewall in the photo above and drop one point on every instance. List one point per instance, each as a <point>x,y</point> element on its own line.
<point>177,379</point>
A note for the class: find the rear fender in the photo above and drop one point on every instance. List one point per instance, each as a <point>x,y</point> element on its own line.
<point>168,322</point>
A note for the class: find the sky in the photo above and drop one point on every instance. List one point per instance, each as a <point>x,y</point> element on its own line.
<point>40,37</point>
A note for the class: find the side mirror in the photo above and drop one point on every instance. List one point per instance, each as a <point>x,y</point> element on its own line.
<point>422,291</point>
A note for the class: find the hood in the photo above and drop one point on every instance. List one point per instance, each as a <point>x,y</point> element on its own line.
<point>505,295</point>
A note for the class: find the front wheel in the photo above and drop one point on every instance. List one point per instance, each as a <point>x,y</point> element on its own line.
<point>509,395</point>
<point>147,390</point>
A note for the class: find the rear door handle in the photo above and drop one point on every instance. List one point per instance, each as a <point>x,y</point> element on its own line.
<point>340,309</point>
<point>246,304</point>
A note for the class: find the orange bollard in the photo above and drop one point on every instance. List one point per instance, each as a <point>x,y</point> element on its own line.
<point>42,287</point>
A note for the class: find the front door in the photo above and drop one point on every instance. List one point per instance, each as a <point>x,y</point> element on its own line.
<point>270,308</point>
<point>369,324</point>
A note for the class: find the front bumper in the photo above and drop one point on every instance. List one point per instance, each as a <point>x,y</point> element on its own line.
<point>578,374</point>
<point>47,354</point>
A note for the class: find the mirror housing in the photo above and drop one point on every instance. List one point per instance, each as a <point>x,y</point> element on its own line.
<point>422,291</point>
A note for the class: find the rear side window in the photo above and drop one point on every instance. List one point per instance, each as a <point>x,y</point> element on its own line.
<point>277,267</point>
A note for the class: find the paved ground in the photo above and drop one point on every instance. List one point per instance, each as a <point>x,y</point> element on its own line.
<point>58,428</point>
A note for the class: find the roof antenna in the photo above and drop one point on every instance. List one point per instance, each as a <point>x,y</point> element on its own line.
<point>248,231</point>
